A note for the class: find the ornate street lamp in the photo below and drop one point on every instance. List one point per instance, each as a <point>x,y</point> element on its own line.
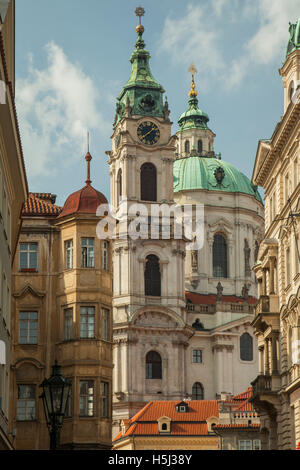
<point>56,391</point>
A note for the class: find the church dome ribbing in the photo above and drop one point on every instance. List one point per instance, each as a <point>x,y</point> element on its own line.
<point>212,174</point>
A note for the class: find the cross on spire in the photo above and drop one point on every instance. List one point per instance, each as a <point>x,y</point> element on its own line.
<point>193,92</point>
<point>139,12</point>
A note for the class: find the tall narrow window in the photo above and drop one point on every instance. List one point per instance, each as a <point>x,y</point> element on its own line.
<point>105,330</point>
<point>68,324</point>
<point>219,256</point>
<point>69,404</point>
<point>246,347</point>
<point>104,399</point>
<point>152,276</point>
<point>119,186</point>
<point>28,328</point>
<point>197,356</point>
<point>86,407</point>
<point>197,391</point>
<point>287,188</point>
<point>200,146</point>
<point>288,265</point>
<point>26,403</point>
<point>87,253</point>
<point>105,255</point>
<point>187,146</point>
<point>87,322</point>
<point>295,173</point>
<point>153,365</point>
<point>69,254</point>
<point>28,256</point>
<point>148,182</point>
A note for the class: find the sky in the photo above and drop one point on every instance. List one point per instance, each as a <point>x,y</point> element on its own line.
<point>72,60</point>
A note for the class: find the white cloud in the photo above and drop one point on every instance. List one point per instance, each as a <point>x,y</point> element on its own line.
<point>190,39</point>
<point>56,106</point>
<point>201,34</point>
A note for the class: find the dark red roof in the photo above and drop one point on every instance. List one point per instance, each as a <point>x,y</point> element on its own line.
<point>210,299</point>
<point>41,204</point>
<point>86,200</point>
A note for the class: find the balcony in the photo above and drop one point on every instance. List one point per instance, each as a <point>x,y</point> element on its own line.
<point>264,386</point>
<point>266,313</point>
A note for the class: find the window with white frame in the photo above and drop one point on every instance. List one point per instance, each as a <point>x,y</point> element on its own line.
<point>105,255</point>
<point>86,407</point>
<point>87,253</point>
<point>68,324</point>
<point>26,402</point>
<point>87,322</point>
<point>69,254</point>
<point>256,444</point>
<point>28,328</point>
<point>245,444</point>
<point>197,356</point>
<point>28,256</point>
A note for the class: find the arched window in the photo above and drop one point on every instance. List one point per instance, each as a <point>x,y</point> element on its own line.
<point>152,276</point>
<point>197,391</point>
<point>153,365</point>
<point>187,146</point>
<point>219,256</point>
<point>164,427</point>
<point>119,186</point>
<point>246,347</point>
<point>200,146</point>
<point>148,182</point>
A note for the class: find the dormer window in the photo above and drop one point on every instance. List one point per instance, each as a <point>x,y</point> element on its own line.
<point>164,425</point>
<point>182,407</point>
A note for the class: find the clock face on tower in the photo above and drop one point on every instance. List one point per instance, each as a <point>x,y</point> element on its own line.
<point>148,133</point>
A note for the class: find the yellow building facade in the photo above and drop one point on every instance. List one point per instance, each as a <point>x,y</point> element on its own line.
<point>62,291</point>
<point>13,192</point>
<point>276,390</point>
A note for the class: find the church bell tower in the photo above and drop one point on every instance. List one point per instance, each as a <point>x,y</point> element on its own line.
<point>149,316</point>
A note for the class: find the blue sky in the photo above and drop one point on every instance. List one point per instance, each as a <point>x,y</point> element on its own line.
<point>72,59</point>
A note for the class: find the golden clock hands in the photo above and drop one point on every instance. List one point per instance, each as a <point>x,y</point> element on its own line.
<point>145,135</point>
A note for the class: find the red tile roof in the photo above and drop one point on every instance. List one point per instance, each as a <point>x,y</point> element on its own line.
<point>236,426</point>
<point>86,200</point>
<point>210,299</point>
<point>41,204</point>
<point>192,422</point>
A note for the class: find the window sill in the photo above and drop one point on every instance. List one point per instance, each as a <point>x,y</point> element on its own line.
<point>28,270</point>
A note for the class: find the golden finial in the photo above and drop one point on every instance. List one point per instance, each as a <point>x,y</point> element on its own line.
<point>140,12</point>
<point>193,92</point>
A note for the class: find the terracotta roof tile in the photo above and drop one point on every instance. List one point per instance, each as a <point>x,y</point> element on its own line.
<point>40,204</point>
<point>236,426</point>
<point>192,422</point>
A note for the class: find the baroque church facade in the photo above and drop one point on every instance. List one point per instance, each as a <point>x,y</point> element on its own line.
<point>181,318</point>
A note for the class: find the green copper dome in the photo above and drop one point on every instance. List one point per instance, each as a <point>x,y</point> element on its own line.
<point>142,93</point>
<point>294,40</point>
<point>211,174</point>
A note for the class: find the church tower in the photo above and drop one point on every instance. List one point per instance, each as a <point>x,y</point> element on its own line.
<point>150,332</point>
